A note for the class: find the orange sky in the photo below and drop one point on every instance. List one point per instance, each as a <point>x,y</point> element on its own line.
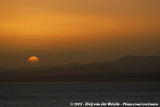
<point>65,31</point>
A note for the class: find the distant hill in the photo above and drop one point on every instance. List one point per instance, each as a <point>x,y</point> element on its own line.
<point>128,68</point>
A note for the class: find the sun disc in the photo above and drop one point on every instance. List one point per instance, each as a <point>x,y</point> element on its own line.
<point>33,59</point>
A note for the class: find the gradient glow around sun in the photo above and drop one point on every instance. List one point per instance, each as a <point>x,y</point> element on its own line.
<point>33,60</point>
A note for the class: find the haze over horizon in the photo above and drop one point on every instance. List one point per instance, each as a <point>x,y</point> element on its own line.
<point>67,31</point>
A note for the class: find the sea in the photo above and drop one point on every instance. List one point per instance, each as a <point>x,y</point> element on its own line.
<point>108,94</point>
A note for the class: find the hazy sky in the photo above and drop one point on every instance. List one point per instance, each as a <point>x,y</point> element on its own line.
<point>66,31</point>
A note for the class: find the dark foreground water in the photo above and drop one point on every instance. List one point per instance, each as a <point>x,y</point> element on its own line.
<point>77,94</point>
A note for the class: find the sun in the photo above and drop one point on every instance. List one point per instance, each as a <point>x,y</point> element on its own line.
<point>33,60</point>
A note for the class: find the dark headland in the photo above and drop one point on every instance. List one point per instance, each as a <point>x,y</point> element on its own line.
<point>126,69</point>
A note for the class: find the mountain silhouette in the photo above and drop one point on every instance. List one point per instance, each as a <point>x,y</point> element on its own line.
<point>128,68</point>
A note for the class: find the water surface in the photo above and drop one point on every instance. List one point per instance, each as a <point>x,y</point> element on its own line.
<point>62,94</point>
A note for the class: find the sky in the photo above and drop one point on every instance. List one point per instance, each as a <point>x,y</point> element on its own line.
<point>83,31</point>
